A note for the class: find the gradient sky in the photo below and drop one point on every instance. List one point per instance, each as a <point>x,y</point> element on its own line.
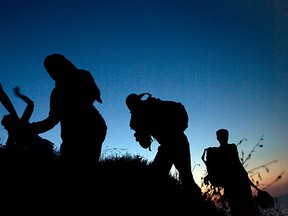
<point>226,61</point>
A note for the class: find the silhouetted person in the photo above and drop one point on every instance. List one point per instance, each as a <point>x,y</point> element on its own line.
<point>237,186</point>
<point>21,138</point>
<point>165,121</point>
<point>83,129</point>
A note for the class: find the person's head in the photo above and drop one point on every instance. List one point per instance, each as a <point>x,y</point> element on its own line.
<point>222,136</point>
<point>57,65</point>
<point>132,101</point>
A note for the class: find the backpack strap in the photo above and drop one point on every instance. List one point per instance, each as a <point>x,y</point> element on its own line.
<point>142,95</point>
<point>204,155</point>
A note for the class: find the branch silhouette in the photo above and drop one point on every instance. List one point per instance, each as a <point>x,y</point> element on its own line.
<point>252,151</point>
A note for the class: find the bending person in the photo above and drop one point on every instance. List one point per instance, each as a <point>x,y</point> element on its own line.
<point>165,121</point>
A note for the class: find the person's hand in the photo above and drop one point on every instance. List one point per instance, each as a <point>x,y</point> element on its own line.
<point>144,139</point>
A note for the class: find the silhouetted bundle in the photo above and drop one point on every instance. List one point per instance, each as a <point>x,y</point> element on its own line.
<point>152,116</point>
<point>214,165</point>
<point>172,113</point>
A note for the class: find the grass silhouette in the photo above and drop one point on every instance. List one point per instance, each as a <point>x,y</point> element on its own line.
<point>119,183</point>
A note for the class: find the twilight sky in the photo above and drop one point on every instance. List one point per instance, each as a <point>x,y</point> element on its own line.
<point>226,61</point>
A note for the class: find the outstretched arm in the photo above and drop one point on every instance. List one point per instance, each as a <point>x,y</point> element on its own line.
<point>30,104</point>
<point>5,100</point>
<point>51,121</point>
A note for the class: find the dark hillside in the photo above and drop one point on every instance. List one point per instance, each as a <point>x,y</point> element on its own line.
<point>119,184</point>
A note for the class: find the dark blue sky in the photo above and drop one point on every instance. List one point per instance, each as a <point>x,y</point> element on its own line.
<point>226,61</point>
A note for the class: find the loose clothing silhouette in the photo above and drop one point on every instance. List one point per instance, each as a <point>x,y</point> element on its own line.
<point>83,129</point>
<point>236,184</point>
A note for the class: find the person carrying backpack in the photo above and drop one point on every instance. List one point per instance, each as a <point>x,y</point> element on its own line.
<point>166,122</point>
<point>226,170</point>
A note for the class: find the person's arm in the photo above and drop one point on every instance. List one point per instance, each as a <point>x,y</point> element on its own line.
<point>51,121</point>
<point>30,104</point>
<point>44,125</point>
<point>5,100</point>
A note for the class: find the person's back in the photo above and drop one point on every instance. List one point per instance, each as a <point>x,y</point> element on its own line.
<point>161,119</point>
<point>74,95</point>
<point>80,121</point>
<point>237,188</point>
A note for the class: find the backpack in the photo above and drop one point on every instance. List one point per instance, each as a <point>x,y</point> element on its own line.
<point>212,157</point>
<point>163,115</point>
<point>168,113</point>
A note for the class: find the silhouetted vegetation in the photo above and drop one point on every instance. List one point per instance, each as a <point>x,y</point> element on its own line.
<point>120,183</point>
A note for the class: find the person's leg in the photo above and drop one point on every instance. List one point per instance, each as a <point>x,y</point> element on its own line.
<point>162,162</point>
<point>182,162</point>
<point>191,190</point>
<point>160,169</point>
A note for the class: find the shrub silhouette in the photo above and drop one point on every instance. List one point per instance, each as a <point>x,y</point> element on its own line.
<point>120,183</point>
